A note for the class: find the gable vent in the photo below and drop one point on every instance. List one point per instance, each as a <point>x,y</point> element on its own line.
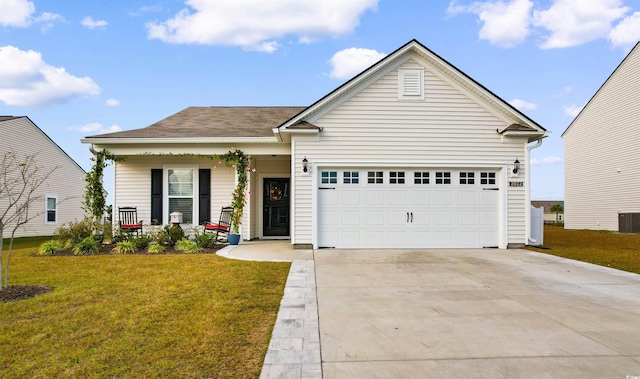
<point>411,84</point>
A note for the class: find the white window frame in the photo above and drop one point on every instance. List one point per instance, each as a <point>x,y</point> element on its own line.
<point>46,209</point>
<point>410,84</point>
<point>194,189</point>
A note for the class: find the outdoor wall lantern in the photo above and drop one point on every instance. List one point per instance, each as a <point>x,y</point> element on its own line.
<point>516,166</point>
<point>305,165</point>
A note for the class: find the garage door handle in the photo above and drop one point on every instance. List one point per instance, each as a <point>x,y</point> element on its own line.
<point>491,189</point>
<point>407,216</point>
<point>331,188</point>
<point>412,217</point>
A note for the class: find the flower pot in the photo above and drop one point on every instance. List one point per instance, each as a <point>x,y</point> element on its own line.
<point>234,239</point>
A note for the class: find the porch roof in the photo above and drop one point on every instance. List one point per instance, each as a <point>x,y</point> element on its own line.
<point>214,122</point>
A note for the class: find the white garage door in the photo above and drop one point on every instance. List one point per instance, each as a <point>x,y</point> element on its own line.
<point>407,208</point>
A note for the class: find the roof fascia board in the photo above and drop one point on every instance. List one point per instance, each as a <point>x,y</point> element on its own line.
<point>146,141</point>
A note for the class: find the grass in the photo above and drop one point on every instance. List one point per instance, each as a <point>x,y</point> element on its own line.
<point>146,316</point>
<point>620,251</point>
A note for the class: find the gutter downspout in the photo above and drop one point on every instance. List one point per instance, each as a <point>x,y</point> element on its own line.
<point>527,199</point>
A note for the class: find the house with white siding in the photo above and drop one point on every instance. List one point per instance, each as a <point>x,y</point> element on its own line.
<point>410,153</point>
<point>602,158</point>
<point>59,198</point>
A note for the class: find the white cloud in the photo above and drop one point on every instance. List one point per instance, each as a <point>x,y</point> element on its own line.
<point>257,24</point>
<point>573,22</point>
<point>627,33</point>
<point>547,161</point>
<point>572,110</point>
<point>565,23</point>
<point>26,80</point>
<point>16,13</point>
<point>90,23</point>
<point>112,102</point>
<point>504,24</point>
<point>349,62</point>
<point>523,105</point>
<point>48,19</point>
<point>562,92</point>
<point>95,128</point>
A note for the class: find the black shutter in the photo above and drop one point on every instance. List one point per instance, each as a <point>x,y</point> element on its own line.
<point>156,196</point>
<point>204,194</point>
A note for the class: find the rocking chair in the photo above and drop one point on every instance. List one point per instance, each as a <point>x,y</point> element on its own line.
<point>223,226</point>
<point>129,220</point>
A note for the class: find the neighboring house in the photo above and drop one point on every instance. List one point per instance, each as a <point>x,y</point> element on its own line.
<point>411,153</point>
<point>549,217</point>
<point>61,194</point>
<point>602,154</point>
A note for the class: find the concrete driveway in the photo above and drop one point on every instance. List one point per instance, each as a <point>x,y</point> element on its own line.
<point>474,314</point>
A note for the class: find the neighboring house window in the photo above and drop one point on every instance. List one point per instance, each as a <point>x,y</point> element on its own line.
<point>443,177</point>
<point>487,178</point>
<point>421,177</point>
<point>375,177</point>
<point>351,177</point>
<point>410,84</point>
<point>329,177</point>
<point>180,192</point>
<point>396,177</point>
<point>51,209</point>
<point>560,217</point>
<point>467,178</point>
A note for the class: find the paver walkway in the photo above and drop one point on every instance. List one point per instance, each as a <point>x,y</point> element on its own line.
<point>294,350</point>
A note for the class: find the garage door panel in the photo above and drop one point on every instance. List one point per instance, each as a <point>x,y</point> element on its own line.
<point>350,197</point>
<point>467,218</point>
<point>350,217</point>
<point>375,197</point>
<point>408,215</point>
<point>374,218</point>
<point>467,198</point>
<point>397,218</point>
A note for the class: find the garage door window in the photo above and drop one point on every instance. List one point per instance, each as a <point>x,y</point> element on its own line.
<point>421,177</point>
<point>396,177</point>
<point>487,178</point>
<point>329,177</point>
<point>443,177</point>
<point>375,177</point>
<point>351,177</point>
<point>467,178</point>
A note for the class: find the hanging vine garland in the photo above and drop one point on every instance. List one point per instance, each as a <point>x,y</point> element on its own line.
<point>238,159</point>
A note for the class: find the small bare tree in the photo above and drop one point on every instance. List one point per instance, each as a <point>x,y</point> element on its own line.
<point>20,179</point>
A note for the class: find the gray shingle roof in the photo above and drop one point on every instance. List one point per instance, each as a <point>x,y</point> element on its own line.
<point>203,122</point>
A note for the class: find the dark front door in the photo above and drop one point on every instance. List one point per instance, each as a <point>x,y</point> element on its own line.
<point>276,207</point>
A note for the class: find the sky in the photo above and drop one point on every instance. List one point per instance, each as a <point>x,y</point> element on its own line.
<point>81,68</point>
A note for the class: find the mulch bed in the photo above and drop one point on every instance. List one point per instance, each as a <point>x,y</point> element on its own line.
<point>14,293</point>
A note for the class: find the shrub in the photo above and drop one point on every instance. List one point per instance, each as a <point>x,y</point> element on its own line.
<point>141,242</point>
<point>75,231</point>
<point>124,247</point>
<point>87,246</point>
<point>175,234</point>
<point>119,236</point>
<point>155,249</point>
<point>187,246</point>
<point>205,240</point>
<point>50,247</point>
<point>161,237</point>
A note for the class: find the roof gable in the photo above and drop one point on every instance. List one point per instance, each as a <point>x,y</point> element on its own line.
<point>414,50</point>
<point>622,69</point>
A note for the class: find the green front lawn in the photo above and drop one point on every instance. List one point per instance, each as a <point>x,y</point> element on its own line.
<point>139,316</point>
<point>621,251</point>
